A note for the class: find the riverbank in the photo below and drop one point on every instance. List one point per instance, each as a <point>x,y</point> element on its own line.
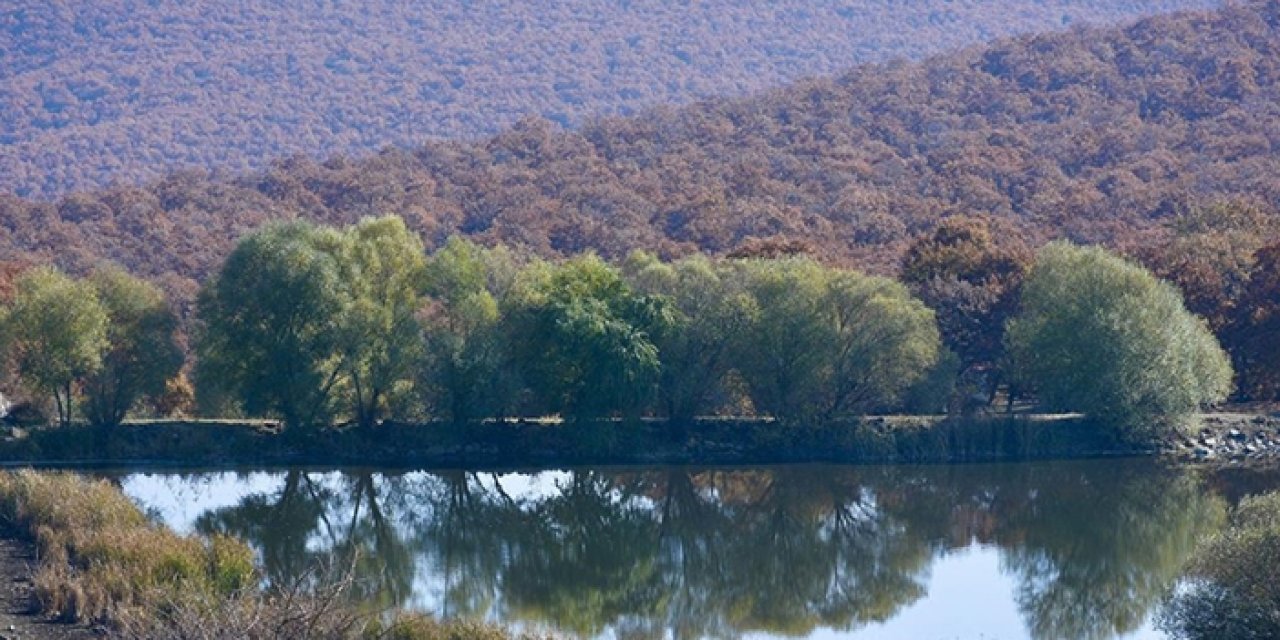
<point>98,560</point>
<point>1228,437</point>
<point>20,615</point>
<point>871,440</point>
<point>881,439</point>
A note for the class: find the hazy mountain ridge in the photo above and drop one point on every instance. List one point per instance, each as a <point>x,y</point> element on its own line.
<point>130,90</point>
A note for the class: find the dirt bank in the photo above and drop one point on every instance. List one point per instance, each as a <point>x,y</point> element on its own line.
<point>18,616</point>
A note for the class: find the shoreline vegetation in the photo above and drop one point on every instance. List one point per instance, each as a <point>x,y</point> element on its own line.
<point>457,357</point>
<point>103,563</point>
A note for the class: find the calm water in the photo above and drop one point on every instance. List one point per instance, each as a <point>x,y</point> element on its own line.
<point>1038,550</point>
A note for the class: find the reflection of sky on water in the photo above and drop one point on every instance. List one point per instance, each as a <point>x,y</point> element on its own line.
<point>178,499</point>
<point>969,597</point>
<point>969,588</point>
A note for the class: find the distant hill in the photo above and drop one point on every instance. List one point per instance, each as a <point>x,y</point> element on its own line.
<point>129,90</point>
<point>1093,134</point>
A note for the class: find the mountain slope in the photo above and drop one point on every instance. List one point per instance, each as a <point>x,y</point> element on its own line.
<point>1093,134</point>
<point>125,89</point>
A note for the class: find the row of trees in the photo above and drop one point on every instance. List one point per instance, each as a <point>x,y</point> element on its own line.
<point>307,322</point>
<point>110,338</point>
<point>314,324</point>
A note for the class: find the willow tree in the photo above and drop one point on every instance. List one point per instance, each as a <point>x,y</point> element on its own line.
<point>1102,336</point>
<point>709,309</point>
<point>584,339</point>
<point>143,353</point>
<point>56,334</point>
<point>383,266</point>
<point>464,374</point>
<point>819,342</point>
<point>271,323</point>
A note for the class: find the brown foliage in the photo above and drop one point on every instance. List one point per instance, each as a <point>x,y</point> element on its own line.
<point>972,277</point>
<point>1210,255</point>
<point>1094,134</point>
<point>1254,340</point>
<point>112,90</point>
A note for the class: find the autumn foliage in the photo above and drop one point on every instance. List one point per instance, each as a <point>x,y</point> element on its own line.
<point>1092,134</point>
<point>95,92</point>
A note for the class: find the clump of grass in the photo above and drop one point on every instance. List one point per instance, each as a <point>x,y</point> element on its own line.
<point>100,557</point>
<point>101,560</point>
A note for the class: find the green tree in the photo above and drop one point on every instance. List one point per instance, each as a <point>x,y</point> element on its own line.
<point>819,342</point>
<point>464,375</point>
<point>142,354</point>
<point>583,339</point>
<point>885,342</point>
<point>1102,336</point>
<point>56,333</point>
<point>383,267</point>
<point>272,323</point>
<point>784,347</point>
<point>709,309</point>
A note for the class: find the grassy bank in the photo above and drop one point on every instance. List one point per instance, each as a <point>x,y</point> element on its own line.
<point>522,443</point>
<point>102,561</point>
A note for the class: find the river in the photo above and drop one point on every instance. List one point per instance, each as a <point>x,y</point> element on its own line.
<point>1080,549</point>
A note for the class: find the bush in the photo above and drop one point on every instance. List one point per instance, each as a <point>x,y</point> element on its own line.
<point>1102,336</point>
<point>1233,586</point>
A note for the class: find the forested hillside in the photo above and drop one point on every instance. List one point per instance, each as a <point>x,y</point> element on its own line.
<point>1095,135</point>
<point>126,90</point>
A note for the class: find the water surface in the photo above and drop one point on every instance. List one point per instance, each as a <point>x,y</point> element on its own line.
<point>1034,550</point>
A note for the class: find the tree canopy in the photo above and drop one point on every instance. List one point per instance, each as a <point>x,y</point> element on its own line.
<point>709,308</point>
<point>1102,336</point>
<point>972,280</point>
<point>120,91</point>
<point>271,333</point>
<point>467,373</point>
<point>585,340</point>
<point>384,269</point>
<point>1096,134</point>
<point>55,332</point>
<point>819,342</point>
<point>142,353</point>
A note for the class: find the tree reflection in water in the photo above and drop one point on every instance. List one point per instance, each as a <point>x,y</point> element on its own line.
<point>695,553</point>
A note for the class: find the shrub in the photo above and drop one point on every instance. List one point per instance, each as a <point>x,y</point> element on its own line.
<point>1233,586</point>
<point>102,560</point>
<point>1102,336</point>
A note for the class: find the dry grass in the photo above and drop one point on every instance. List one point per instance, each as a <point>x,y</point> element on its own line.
<point>100,557</point>
<point>101,560</point>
